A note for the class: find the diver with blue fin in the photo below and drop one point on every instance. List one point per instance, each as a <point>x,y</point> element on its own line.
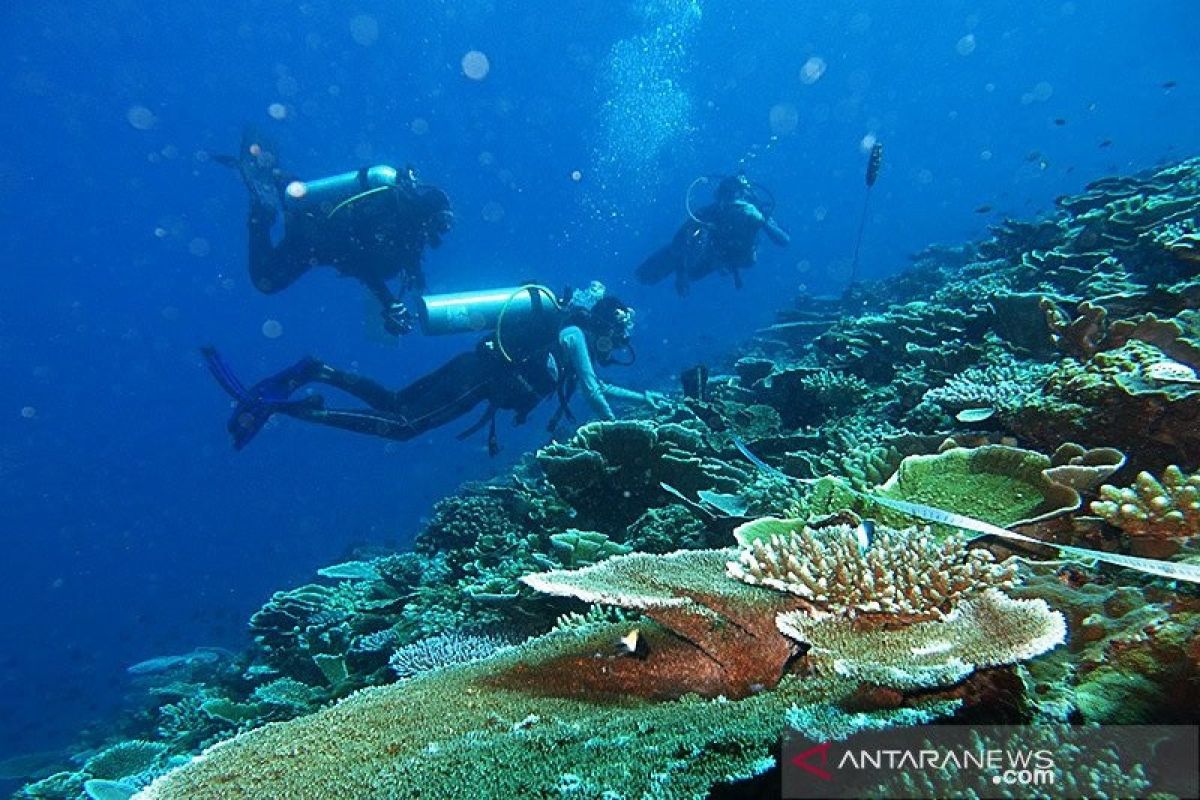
<point>539,346</point>
<point>721,236</point>
<point>372,224</point>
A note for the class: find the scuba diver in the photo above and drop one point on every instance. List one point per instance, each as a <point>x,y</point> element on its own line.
<point>372,224</point>
<point>539,346</point>
<point>720,236</point>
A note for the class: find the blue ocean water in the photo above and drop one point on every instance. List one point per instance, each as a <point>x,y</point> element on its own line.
<point>131,529</point>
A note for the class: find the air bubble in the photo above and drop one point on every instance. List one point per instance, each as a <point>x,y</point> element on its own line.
<point>296,189</point>
<point>272,329</point>
<point>28,412</point>
<point>812,70</point>
<point>475,65</point>
<point>141,118</point>
<point>277,110</point>
<point>493,211</point>
<point>966,45</point>
<point>784,119</point>
<point>364,29</point>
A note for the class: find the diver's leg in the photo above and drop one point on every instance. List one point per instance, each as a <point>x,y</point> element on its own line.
<point>273,267</point>
<point>372,423</point>
<point>370,392</point>
<point>440,397</point>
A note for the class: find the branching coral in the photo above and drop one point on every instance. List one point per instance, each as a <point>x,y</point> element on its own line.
<point>1002,387</point>
<point>436,652</point>
<point>905,574</point>
<point>1169,508</point>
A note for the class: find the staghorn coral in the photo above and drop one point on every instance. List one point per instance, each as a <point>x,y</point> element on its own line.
<point>984,630</point>
<point>1169,508</point>
<point>1003,387</point>
<point>904,574</point>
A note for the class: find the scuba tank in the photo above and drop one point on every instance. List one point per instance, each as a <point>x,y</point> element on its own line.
<point>489,309</point>
<point>328,196</point>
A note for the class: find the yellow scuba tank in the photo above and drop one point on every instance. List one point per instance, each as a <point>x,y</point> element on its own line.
<point>326,197</point>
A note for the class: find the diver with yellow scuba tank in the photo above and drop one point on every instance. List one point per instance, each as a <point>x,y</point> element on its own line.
<point>539,345</point>
<point>372,224</point>
<point>722,235</point>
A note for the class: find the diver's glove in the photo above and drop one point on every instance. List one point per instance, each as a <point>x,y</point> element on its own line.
<point>398,320</point>
<point>655,400</point>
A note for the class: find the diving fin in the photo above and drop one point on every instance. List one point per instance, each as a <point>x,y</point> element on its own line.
<point>270,396</point>
<point>257,162</point>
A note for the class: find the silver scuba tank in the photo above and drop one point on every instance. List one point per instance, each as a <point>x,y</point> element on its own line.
<point>326,196</point>
<point>465,312</point>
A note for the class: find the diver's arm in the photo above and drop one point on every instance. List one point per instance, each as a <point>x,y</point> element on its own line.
<point>379,288</point>
<point>397,318</point>
<point>575,344</point>
<point>775,233</point>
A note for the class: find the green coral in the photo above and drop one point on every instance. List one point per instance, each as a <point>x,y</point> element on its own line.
<point>995,483</point>
<point>576,548</point>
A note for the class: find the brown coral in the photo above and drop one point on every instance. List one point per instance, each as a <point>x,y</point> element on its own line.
<point>713,636</point>
<point>1168,509</point>
<point>906,575</point>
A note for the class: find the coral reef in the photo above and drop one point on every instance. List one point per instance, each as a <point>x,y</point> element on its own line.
<point>1168,508</point>
<point>996,483</point>
<point>984,630</point>
<point>907,574</point>
<point>654,642</point>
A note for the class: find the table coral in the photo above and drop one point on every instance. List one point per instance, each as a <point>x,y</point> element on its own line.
<point>985,630</point>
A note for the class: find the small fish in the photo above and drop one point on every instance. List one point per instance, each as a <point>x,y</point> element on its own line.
<point>1060,122</point>
<point>1169,85</point>
<point>984,209</point>
<point>865,534</point>
<point>633,644</point>
<point>1106,143</point>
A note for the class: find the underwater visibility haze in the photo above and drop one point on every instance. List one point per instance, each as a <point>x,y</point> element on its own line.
<point>855,347</point>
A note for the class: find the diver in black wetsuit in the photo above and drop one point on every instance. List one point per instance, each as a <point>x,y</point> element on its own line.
<point>720,236</point>
<point>372,224</point>
<point>552,350</point>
